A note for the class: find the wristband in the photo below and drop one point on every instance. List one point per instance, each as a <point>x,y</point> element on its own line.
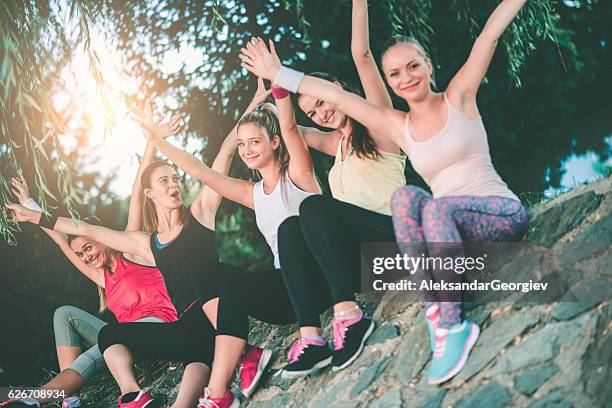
<point>48,221</point>
<point>279,93</point>
<point>32,205</point>
<point>288,78</point>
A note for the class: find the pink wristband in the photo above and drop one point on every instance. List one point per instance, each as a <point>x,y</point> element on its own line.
<point>279,93</point>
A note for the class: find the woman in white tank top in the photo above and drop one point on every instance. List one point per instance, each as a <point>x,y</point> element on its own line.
<point>287,173</point>
<point>445,140</point>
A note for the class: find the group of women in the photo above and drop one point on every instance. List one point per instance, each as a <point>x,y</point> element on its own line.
<point>200,316</point>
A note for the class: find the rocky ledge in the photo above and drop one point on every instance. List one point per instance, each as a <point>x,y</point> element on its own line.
<point>530,354</point>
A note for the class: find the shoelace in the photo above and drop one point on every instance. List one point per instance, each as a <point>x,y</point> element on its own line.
<point>206,402</point>
<point>297,349</point>
<point>340,328</point>
<point>439,344</point>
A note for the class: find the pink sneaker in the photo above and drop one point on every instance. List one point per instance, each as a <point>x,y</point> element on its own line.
<point>253,364</point>
<point>227,401</point>
<point>142,400</point>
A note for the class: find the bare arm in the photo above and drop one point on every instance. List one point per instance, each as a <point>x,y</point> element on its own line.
<point>135,220</point>
<point>325,142</point>
<point>301,168</point>
<point>463,87</point>
<point>20,189</point>
<point>370,77</point>
<point>130,242</point>
<point>96,275</point>
<point>379,120</point>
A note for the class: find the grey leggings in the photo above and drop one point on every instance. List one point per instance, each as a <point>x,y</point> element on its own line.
<point>74,327</point>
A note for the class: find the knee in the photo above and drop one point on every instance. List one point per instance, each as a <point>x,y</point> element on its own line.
<point>405,195</point>
<point>107,336</point>
<point>289,227</point>
<point>310,205</point>
<point>434,210</point>
<point>63,314</point>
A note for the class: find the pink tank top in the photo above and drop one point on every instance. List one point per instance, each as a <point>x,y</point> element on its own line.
<point>135,291</point>
<point>456,160</point>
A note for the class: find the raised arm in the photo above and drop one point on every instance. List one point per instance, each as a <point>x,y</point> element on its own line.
<point>130,242</point>
<point>135,219</point>
<point>20,189</point>
<point>233,189</point>
<point>379,120</point>
<point>301,167</point>
<point>371,80</point>
<point>208,200</point>
<point>463,87</point>
<point>325,142</point>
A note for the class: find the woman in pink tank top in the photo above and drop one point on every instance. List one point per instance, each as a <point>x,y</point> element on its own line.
<point>130,290</point>
<point>445,140</point>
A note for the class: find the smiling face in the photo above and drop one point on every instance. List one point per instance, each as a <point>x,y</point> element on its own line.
<point>165,187</point>
<point>408,71</point>
<point>322,113</point>
<point>255,148</point>
<point>90,252</point>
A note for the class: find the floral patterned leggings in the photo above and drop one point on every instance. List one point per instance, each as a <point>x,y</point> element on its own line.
<point>420,218</point>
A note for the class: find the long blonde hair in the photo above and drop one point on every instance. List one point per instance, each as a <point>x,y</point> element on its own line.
<point>149,212</point>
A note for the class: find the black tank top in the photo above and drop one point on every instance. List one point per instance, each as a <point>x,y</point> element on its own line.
<point>193,249</point>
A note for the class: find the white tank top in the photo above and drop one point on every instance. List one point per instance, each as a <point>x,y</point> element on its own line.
<point>456,160</point>
<point>272,209</point>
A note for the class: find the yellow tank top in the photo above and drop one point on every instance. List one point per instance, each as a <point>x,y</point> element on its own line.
<point>365,182</point>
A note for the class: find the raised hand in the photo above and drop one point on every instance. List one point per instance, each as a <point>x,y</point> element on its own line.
<point>258,60</point>
<point>21,214</point>
<point>20,189</point>
<point>153,129</point>
<point>261,94</point>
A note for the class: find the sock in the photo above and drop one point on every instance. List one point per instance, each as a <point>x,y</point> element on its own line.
<point>351,320</point>
<point>130,396</point>
<point>30,401</point>
<point>315,340</point>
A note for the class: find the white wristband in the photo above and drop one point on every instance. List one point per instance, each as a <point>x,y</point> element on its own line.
<point>288,78</point>
<point>32,205</point>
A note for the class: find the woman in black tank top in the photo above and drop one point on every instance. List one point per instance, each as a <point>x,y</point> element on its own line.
<point>183,248</point>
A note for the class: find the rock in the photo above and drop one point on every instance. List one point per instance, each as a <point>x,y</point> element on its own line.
<point>281,401</point>
<point>591,242</point>
<point>569,310</point>
<point>543,345</point>
<point>530,381</point>
<point>491,395</point>
<point>434,400</point>
<point>369,375</point>
<point>384,332</point>
<point>547,227</point>
<point>502,331</point>
<point>390,399</point>
<point>552,400</point>
<point>330,394</point>
<point>414,353</point>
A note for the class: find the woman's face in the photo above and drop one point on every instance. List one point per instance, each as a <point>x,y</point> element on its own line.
<point>90,252</point>
<point>322,113</point>
<point>407,72</point>
<point>254,147</point>
<point>165,190</point>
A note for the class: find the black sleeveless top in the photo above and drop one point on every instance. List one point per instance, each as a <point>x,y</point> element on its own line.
<point>193,249</point>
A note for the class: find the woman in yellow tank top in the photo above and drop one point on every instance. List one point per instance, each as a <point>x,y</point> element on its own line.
<point>444,138</point>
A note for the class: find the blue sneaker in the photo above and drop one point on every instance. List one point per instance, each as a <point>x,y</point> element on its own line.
<point>451,350</point>
<point>432,320</point>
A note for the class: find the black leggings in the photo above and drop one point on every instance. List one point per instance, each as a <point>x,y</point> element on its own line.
<point>264,296</point>
<point>334,231</point>
<point>189,339</point>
